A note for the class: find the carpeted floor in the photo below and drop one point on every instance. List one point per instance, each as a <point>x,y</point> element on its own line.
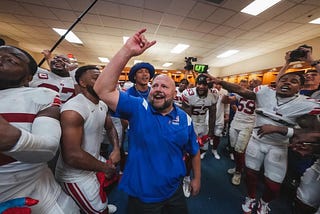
<point>217,195</point>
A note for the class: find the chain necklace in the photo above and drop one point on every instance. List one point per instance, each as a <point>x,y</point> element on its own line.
<point>142,94</point>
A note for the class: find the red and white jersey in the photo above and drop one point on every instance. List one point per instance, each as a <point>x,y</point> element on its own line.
<point>274,110</point>
<point>245,115</point>
<point>178,98</point>
<point>19,106</point>
<point>94,116</point>
<point>199,105</point>
<point>222,108</point>
<point>63,85</point>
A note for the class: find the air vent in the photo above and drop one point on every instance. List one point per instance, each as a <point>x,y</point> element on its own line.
<point>215,1</point>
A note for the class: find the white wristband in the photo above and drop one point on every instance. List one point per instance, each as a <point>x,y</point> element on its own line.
<point>290,132</point>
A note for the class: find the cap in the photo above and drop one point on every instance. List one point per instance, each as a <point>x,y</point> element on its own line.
<point>137,67</point>
<point>201,79</point>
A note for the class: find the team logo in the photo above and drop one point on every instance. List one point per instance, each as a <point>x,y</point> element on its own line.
<point>42,76</point>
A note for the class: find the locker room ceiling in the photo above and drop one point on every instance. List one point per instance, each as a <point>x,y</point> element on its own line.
<point>209,28</point>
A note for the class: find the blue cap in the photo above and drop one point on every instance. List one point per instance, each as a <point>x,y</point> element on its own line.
<point>137,67</point>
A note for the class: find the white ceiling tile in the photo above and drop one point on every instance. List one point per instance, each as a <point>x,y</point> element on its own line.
<point>268,26</point>
<point>190,24</point>
<point>237,19</point>
<point>171,20</point>
<point>220,15</point>
<point>129,12</point>
<point>64,15</point>
<point>12,7</point>
<point>150,16</point>
<point>206,27</point>
<point>39,11</point>
<point>202,11</point>
<point>221,30</point>
<point>179,7</point>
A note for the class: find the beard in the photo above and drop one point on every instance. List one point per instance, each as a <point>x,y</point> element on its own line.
<point>92,92</point>
<point>167,103</point>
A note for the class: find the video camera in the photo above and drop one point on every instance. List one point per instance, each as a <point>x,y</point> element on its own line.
<point>188,61</point>
<point>298,53</point>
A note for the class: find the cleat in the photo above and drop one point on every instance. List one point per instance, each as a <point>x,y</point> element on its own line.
<point>236,179</point>
<point>215,154</point>
<point>248,206</point>
<point>202,155</point>
<point>263,207</point>
<point>112,208</point>
<point>231,171</point>
<point>186,186</point>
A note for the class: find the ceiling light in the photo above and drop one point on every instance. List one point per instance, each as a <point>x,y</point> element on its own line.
<point>70,37</point>
<point>137,61</point>
<point>227,53</point>
<point>179,48</point>
<point>103,59</point>
<point>258,6</point>
<point>315,21</point>
<point>167,64</point>
<point>125,38</point>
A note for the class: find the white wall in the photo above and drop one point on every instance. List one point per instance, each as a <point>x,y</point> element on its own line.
<point>271,60</point>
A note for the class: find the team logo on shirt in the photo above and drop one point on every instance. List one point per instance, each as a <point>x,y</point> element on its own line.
<point>42,76</point>
<point>176,121</point>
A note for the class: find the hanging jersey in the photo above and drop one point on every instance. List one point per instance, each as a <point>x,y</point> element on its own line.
<point>273,110</point>
<point>94,116</point>
<point>63,85</point>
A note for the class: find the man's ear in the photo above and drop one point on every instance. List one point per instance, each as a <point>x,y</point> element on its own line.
<point>82,84</point>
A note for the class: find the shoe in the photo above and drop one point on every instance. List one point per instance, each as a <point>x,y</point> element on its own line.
<point>231,156</point>
<point>263,207</point>
<point>215,154</point>
<point>248,206</point>
<point>236,179</point>
<point>231,171</point>
<point>112,208</point>
<point>211,142</point>
<point>202,155</point>
<point>186,186</point>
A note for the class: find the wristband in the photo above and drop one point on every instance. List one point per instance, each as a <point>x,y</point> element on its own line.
<point>290,132</point>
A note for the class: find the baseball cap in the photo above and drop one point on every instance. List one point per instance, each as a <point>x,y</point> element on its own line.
<point>137,67</point>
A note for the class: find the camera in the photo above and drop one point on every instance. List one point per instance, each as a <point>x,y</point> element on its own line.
<point>188,61</point>
<point>298,53</point>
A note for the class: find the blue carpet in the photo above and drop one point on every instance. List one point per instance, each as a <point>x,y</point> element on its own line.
<point>217,195</point>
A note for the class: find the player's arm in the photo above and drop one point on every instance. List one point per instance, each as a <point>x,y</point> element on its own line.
<point>39,145</point>
<point>186,108</point>
<point>284,67</point>
<point>113,138</point>
<point>231,87</point>
<point>72,134</point>
<point>196,169</point>
<point>106,85</point>
<point>228,99</point>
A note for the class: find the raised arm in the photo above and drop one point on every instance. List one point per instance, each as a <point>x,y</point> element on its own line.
<point>231,87</point>
<point>106,84</point>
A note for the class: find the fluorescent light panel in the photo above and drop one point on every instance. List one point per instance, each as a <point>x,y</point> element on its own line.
<point>167,64</point>
<point>315,21</point>
<point>258,6</point>
<point>179,48</point>
<point>70,37</point>
<point>227,53</point>
<point>103,59</point>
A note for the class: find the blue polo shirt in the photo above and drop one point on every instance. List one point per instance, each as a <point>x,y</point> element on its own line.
<point>154,167</point>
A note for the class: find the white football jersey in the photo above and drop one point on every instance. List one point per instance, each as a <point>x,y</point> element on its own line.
<point>20,106</point>
<point>280,112</point>
<point>222,108</point>
<point>245,115</point>
<point>94,116</point>
<point>63,85</point>
<point>199,105</point>
<point>178,98</point>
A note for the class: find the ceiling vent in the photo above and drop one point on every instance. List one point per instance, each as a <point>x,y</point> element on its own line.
<point>215,1</point>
